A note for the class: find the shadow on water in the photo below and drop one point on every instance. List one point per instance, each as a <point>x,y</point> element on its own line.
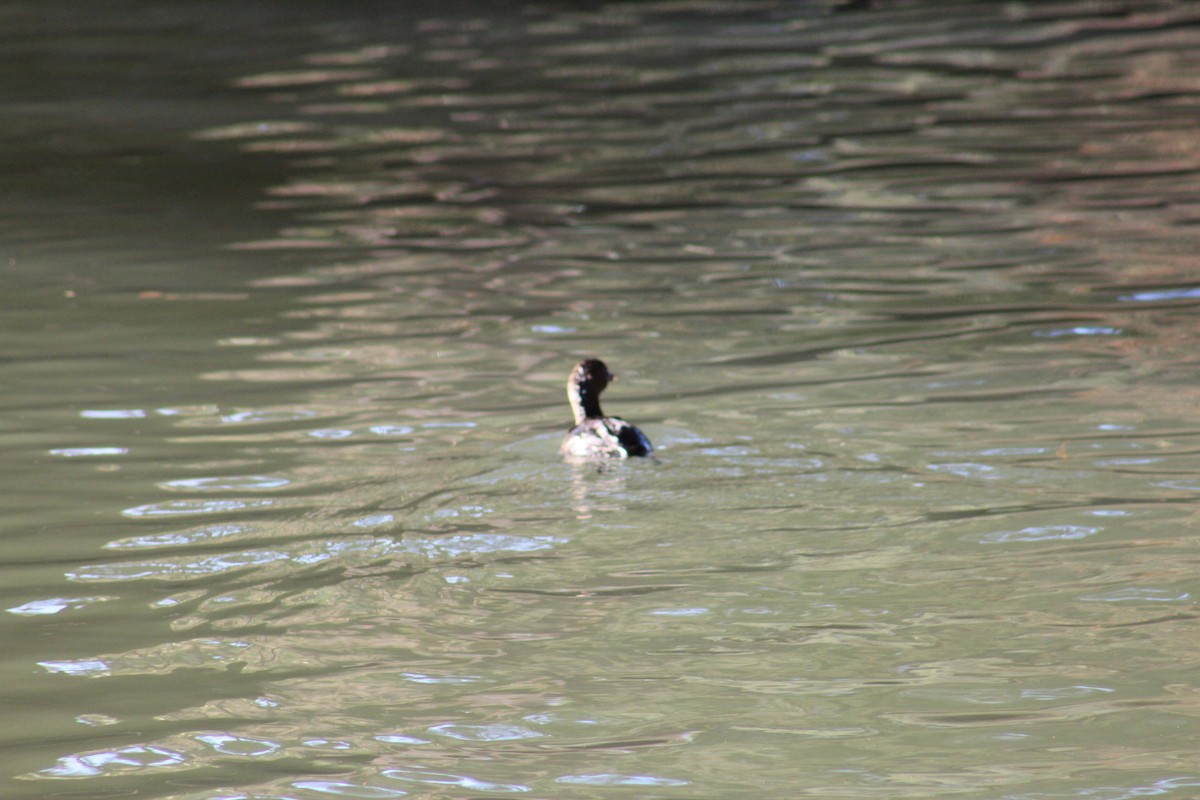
<point>903,293</point>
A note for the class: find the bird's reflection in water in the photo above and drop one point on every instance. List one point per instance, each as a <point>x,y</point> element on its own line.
<point>597,487</point>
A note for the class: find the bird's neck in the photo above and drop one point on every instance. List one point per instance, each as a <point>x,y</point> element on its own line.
<point>585,404</point>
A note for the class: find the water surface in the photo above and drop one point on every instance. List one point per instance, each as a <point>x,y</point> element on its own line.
<point>905,297</point>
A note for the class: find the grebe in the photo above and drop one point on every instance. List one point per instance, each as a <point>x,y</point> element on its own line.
<point>595,435</point>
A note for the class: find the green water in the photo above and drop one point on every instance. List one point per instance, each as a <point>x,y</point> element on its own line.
<point>904,296</point>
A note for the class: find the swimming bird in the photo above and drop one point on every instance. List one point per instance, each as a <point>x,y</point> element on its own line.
<point>595,435</point>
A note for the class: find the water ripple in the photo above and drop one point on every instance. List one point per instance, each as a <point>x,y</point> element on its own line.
<point>178,508</point>
<point>1162,295</point>
<point>448,779</point>
<point>267,416</point>
<point>231,745</point>
<point>163,659</point>
<point>618,779</point>
<point>234,483</point>
<point>113,413</point>
<point>459,545</point>
<point>1138,595</point>
<point>56,605</point>
<point>348,789</point>
<point>189,567</point>
<point>189,536</point>
<point>82,452</point>
<point>86,668</point>
<point>129,760</point>
<point>486,733</point>
<point>1040,533</point>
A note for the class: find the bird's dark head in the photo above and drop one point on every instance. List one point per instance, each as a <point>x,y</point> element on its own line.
<point>592,374</point>
<point>587,381</point>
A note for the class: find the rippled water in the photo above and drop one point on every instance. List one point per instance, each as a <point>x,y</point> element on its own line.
<point>905,297</point>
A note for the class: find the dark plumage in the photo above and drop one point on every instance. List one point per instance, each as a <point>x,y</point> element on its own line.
<point>595,435</point>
